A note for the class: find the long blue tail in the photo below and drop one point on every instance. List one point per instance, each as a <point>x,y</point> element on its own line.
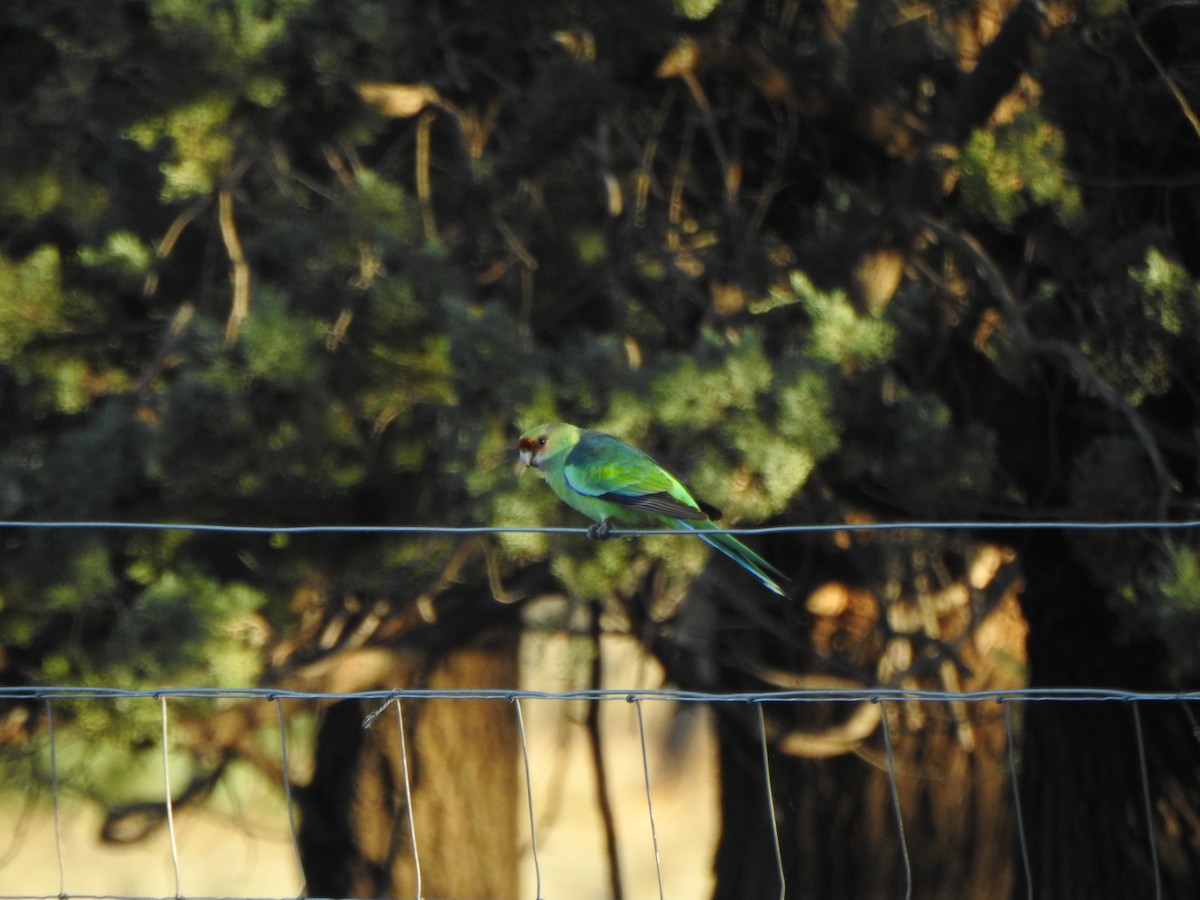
<point>739,553</point>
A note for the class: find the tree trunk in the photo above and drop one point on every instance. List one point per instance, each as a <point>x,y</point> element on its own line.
<point>1082,788</point>
<point>462,763</point>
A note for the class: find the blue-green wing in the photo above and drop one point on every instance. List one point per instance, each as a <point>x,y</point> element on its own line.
<point>607,468</point>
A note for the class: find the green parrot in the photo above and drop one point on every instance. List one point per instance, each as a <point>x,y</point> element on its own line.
<point>608,480</point>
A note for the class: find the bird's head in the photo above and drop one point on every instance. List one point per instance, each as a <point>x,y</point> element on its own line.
<point>539,444</point>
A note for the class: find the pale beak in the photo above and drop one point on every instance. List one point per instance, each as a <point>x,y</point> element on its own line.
<point>526,457</point>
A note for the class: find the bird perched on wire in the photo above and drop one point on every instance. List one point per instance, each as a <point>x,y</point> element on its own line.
<point>608,480</point>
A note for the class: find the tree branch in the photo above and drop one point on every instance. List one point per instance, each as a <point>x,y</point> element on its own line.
<point>237,259</point>
<point>1172,84</point>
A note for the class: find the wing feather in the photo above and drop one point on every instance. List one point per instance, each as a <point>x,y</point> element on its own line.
<point>662,503</point>
<point>607,468</point>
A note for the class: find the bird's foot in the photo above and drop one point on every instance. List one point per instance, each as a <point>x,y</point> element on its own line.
<point>599,531</point>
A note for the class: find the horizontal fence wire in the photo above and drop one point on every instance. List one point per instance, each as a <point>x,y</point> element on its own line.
<point>810,528</point>
<point>630,695</point>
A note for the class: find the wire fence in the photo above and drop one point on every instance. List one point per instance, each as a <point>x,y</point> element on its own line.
<point>388,712</point>
<point>810,528</point>
<point>389,705</point>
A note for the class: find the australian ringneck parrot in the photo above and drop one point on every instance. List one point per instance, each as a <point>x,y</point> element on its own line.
<point>608,480</point>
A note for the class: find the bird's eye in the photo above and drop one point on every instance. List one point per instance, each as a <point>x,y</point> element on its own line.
<point>542,441</point>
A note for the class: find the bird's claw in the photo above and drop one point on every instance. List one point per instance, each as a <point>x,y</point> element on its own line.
<point>599,531</point>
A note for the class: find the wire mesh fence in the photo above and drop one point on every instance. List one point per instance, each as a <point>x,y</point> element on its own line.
<point>387,711</point>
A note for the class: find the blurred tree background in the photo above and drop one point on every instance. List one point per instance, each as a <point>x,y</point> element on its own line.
<point>297,262</point>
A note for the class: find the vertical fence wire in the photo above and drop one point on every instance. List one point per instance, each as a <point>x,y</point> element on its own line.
<point>1149,808</point>
<point>1016,788</point>
<point>167,790</point>
<point>891,764</point>
<point>58,839</point>
<point>1192,719</point>
<point>537,869</point>
<point>637,704</point>
<point>287,794</point>
<point>408,804</point>
<point>762,734</point>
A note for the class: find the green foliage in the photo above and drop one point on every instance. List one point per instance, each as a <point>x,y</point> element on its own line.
<point>185,625</point>
<point>697,9</point>
<point>761,425</point>
<point>1169,292</point>
<point>1181,586</point>
<point>123,255</point>
<point>606,570</point>
<point>699,391</point>
<point>1010,170</point>
<point>1148,305</point>
<point>277,346</point>
<point>32,300</point>
<point>1162,600</point>
<point>200,146</point>
<point>43,191</point>
<point>839,335</point>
